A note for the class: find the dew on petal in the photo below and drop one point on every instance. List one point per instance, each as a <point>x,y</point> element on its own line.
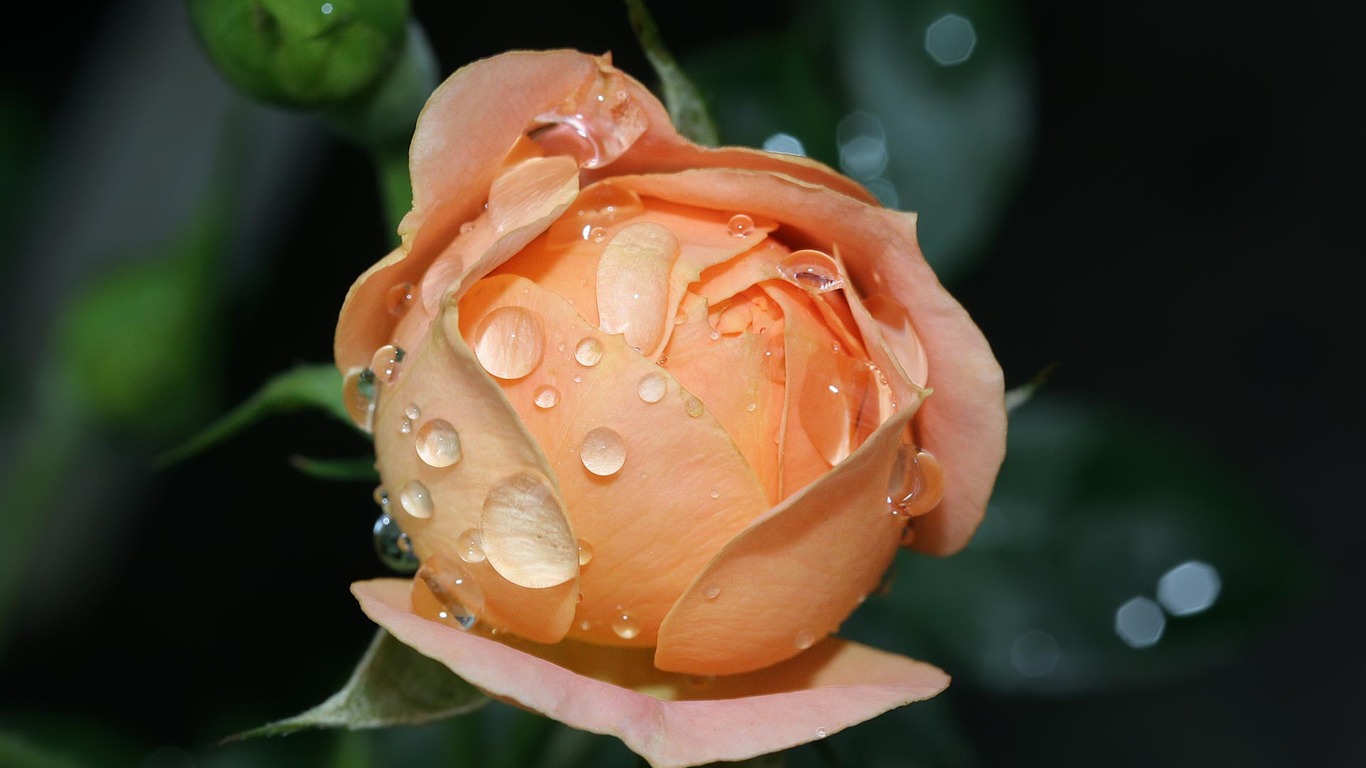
<point>412,411</point>
<point>415,499</point>
<point>596,234</point>
<point>693,407</point>
<point>392,545</point>
<point>585,553</point>
<point>469,545</point>
<point>804,639</point>
<point>740,225</point>
<point>596,127</point>
<point>603,451</point>
<point>626,627</point>
<point>546,397</point>
<point>526,536</point>
<point>588,351</point>
<point>398,298</point>
<point>359,393</point>
<point>385,363</point>
<point>509,342</point>
<point>467,228</point>
<point>712,592</point>
<point>406,426</point>
<point>455,589</point>
<point>915,483</point>
<point>715,494</point>
<point>438,444</point>
<point>652,387</point>
<point>811,270</point>
<point>381,497</point>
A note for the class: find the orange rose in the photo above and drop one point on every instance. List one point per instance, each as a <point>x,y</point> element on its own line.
<point>655,418</point>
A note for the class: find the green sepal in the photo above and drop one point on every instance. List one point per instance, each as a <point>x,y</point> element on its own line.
<point>357,469</point>
<point>307,386</point>
<point>687,108</point>
<point>392,685</point>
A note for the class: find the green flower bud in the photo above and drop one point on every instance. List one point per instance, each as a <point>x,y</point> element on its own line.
<point>302,53</point>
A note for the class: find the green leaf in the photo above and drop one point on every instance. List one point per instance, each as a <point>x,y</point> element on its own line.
<point>359,468</point>
<point>686,106</point>
<point>1091,511</point>
<point>16,752</point>
<point>392,685</point>
<point>307,386</point>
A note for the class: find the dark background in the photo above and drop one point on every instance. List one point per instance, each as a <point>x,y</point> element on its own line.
<point>1181,240</point>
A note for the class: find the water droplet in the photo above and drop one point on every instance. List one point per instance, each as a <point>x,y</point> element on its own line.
<point>652,387</point>
<point>438,444</point>
<point>526,536</point>
<point>415,499</point>
<point>914,485</point>
<point>740,225</point>
<point>393,546</point>
<point>812,270</point>
<point>381,497</point>
<point>662,360</point>
<point>585,553</point>
<point>715,335</point>
<point>712,592</point>
<point>597,234</point>
<point>585,625</point>
<point>626,627</point>
<point>680,318</point>
<point>385,363</point>
<point>405,426</point>
<point>455,589</point>
<point>588,351</point>
<point>359,394</point>
<point>467,228</point>
<point>470,546</point>
<point>603,451</point>
<point>578,379</point>
<point>546,397</point>
<point>412,411</point>
<point>509,342</point>
<point>751,407</point>
<point>804,639</point>
<point>821,733</point>
<point>715,494</point>
<point>693,407</point>
<point>596,127</point>
<point>398,298</point>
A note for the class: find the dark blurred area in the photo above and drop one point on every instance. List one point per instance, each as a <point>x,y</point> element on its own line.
<point>1159,199</point>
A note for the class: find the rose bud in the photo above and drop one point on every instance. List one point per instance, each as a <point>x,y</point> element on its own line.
<point>656,418</point>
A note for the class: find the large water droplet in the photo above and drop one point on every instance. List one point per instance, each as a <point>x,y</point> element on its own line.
<point>603,451</point>
<point>652,387</point>
<point>385,363</point>
<point>588,351</point>
<point>415,499</point>
<point>509,342</point>
<point>470,546</point>
<point>740,225</point>
<point>915,483</point>
<point>526,536</point>
<point>358,392</point>
<point>392,545</point>
<point>398,298</point>
<point>812,270</point>
<point>455,589</point>
<point>547,397</point>
<point>585,553</point>
<point>438,444</point>
<point>596,127</point>
<point>626,627</point>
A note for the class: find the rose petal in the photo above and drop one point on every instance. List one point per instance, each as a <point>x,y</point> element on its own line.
<point>795,574</point>
<point>633,283</point>
<point>963,423</point>
<point>832,686</point>
<point>444,380</point>
<point>673,463</point>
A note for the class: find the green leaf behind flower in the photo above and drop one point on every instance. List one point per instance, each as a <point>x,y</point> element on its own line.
<point>360,468</point>
<point>687,107</point>
<point>307,386</point>
<point>392,685</point>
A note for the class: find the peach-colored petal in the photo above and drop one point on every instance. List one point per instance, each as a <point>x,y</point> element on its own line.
<point>442,379</point>
<point>795,574</point>
<point>832,686</point>
<point>633,283</point>
<point>963,423</point>
<point>678,494</point>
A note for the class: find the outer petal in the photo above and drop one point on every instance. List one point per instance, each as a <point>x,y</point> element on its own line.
<point>830,687</point>
<point>793,576</point>
<point>963,423</point>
